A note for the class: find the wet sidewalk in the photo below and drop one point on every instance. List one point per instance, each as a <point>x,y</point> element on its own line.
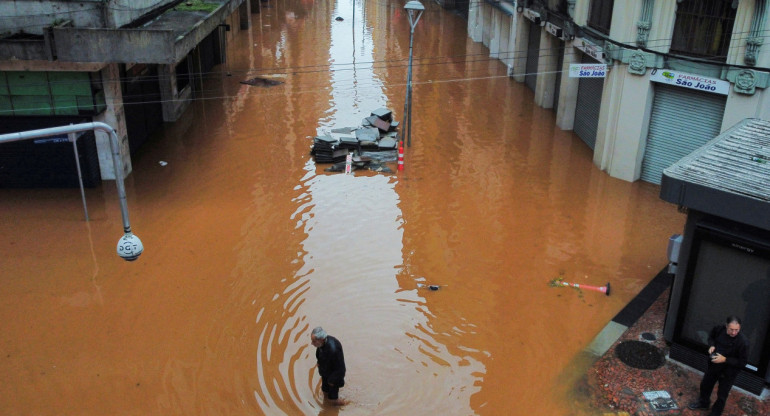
<point>618,388</point>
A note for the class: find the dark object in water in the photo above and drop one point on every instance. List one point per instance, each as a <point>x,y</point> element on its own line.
<point>262,82</point>
<point>431,287</point>
<point>339,19</point>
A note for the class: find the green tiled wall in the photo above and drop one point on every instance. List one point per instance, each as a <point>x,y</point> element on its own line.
<point>48,93</point>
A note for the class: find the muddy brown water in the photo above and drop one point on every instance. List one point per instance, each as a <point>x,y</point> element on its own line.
<point>249,244</point>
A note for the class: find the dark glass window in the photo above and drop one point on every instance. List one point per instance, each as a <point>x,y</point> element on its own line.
<point>600,15</point>
<point>703,28</point>
<point>182,74</point>
<point>560,6</point>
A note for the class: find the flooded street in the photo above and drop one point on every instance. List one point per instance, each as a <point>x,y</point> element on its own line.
<point>249,244</point>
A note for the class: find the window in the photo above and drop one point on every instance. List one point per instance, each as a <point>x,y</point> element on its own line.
<point>30,93</point>
<point>703,28</point>
<point>600,15</point>
<point>560,6</point>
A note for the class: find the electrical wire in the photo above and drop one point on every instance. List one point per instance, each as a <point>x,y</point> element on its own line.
<point>388,64</point>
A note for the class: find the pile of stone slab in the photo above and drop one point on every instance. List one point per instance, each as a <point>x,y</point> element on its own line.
<point>376,139</point>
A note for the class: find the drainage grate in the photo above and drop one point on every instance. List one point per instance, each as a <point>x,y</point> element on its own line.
<point>638,354</point>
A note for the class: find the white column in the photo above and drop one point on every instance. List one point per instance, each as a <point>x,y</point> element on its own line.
<point>115,117</point>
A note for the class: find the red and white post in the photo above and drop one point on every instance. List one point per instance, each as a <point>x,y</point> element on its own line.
<point>603,289</point>
<point>401,156</point>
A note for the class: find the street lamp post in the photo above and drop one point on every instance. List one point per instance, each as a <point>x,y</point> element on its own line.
<point>129,246</point>
<point>414,10</point>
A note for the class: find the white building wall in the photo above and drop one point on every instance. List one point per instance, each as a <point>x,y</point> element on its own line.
<point>740,106</point>
<point>565,114</point>
<point>495,29</point>
<point>623,127</point>
<point>115,117</point>
<point>627,98</point>
<point>521,42</point>
<point>619,144</point>
<point>32,16</point>
<point>475,21</point>
<point>545,88</point>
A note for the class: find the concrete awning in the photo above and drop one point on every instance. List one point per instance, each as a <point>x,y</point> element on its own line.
<point>165,40</point>
<point>728,177</point>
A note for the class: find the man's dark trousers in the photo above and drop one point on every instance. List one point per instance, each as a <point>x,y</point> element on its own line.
<point>723,374</point>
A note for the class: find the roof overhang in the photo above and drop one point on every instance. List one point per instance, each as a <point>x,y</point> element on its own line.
<point>165,40</point>
<point>727,177</point>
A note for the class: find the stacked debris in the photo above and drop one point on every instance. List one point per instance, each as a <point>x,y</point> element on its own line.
<point>372,144</point>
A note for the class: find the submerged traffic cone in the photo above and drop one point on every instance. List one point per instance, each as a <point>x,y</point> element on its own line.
<point>348,163</point>
<point>401,156</point>
<point>603,289</point>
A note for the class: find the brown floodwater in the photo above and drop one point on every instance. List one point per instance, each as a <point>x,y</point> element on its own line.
<point>249,244</point>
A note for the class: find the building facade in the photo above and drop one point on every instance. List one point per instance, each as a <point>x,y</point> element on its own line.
<point>679,72</point>
<point>130,64</point>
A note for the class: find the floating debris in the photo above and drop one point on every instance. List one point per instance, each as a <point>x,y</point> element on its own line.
<point>372,144</point>
<point>660,400</point>
<point>559,282</point>
<point>339,18</point>
<point>262,82</point>
<point>430,287</point>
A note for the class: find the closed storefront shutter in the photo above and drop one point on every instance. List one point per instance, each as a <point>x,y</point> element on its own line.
<point>589,102</point>
<point>682,120</point>
<point>533,51</point>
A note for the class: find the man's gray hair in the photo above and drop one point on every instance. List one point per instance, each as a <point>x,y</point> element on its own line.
<point>319,333</point>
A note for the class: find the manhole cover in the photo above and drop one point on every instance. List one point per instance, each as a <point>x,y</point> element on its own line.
<point>648,336</point>
<point>639,354</point>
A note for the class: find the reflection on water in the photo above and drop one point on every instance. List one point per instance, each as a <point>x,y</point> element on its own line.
<point>249,244</point>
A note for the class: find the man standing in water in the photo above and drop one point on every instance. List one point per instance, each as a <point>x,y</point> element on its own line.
<point>331,364</point>
<point>729,351</point>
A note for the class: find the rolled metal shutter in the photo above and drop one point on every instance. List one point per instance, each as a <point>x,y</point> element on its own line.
<point>589,102</point>
<point>674,135</point>
<point>533,52</point>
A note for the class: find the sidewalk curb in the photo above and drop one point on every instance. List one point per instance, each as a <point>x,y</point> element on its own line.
<point>630,314</point>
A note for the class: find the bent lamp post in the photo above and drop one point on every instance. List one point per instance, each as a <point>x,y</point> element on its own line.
<point>414,10</point>
<point>129,246</point>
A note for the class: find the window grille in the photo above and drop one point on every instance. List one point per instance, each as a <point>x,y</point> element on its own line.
<point>600,15</point>
<point>703,28</point>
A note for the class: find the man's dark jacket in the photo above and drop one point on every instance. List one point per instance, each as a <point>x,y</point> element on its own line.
<point>331,362</point>
<point>735,349</point>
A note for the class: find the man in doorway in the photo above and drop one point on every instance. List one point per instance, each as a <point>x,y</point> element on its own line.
<point>729,352</point>
<point>331,364</point>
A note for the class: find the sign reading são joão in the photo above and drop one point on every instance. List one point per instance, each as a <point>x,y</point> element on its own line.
<point>691,81</point>
<point>587,70</point>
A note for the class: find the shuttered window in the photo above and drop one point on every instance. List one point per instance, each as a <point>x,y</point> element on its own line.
<point>600,15</point>
<point>589,102</point>
<point>533,52</point>
<point>703,29</point>
<point>682,121</point>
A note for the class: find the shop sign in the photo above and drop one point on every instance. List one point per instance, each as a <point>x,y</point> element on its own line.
<point>691,81</point>
<point>589,48</point>
<point>587,70</point>
<point>554,30</point>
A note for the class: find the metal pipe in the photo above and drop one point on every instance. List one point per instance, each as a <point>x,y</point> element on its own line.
<point>74,128</point>
<point>409,91</point>
<point>73,139</point>
<point>411,8</point>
